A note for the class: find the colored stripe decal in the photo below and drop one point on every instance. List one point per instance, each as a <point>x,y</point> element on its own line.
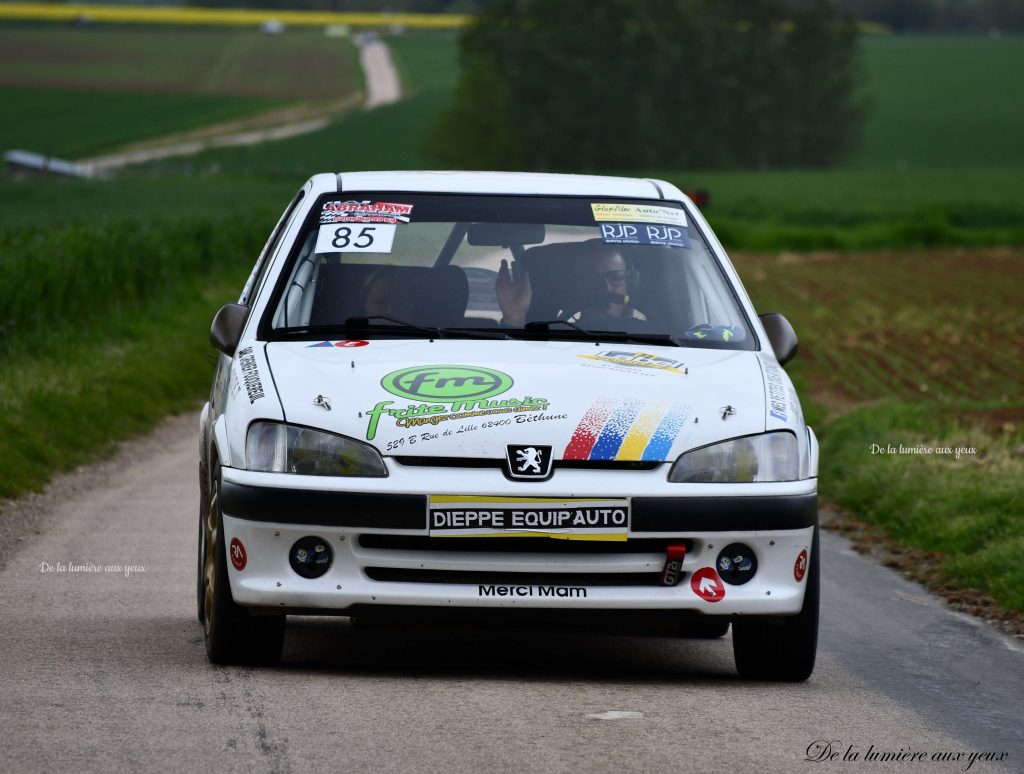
<point>665,434</point>
<point>640,433</point>
<point>585,435</point>
<point>615,429</point>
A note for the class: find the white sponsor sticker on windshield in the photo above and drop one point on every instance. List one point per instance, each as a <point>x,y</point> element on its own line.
<point>355,238</point>
<point>644,234</point>
<point>610,212</point>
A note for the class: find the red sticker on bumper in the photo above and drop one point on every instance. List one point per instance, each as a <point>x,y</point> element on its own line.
<point>237,553</point>
<point>800,566</point>
<point>707,585</point>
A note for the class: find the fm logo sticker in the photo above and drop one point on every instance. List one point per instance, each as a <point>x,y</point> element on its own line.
<point>446,383</point>
<point>447,392</point>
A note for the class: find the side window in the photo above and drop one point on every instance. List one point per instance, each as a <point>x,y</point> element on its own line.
<point>260,269</point>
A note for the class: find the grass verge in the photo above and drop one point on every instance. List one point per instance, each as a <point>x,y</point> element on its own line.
<point>946,483</point>
<point>101,354</point>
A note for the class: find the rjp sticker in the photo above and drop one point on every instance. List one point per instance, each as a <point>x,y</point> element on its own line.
<point>644,234</point>
<point>355,238</point>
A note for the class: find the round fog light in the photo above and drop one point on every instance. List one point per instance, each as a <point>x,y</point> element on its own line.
<point>311,556</point>
<point>736,564</point>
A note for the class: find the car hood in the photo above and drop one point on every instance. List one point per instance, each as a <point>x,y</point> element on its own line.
<point>468,398</point>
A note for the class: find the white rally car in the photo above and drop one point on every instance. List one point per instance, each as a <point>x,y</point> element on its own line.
<point>523,398</point>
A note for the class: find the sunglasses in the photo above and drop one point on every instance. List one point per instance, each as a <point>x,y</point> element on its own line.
<point>614,277</point>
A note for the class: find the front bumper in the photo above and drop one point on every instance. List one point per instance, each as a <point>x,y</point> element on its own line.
<point>383,555</point>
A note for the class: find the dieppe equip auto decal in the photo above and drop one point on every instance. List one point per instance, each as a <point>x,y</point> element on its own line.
<point>639,360</point>
<point>626,430</point>
<point>605,212</point>
<point>565,519</point>
<point>250,375</point>
<point>447,392</point>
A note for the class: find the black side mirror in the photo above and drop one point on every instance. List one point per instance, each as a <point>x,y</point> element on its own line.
<point>226,331</point>
<point>781,336</point>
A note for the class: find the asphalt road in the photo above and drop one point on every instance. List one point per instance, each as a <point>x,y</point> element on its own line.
<point>105,670</point>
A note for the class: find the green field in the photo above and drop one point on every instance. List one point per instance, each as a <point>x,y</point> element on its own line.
<point>302,65</point>
<point>113,86</point>
<point>943,102</point>
<point>107,120</point>
<point>390,137</point>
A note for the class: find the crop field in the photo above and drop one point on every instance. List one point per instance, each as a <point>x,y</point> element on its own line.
<point>935,326</point>
<point>389,137</point>
<point>75,92</point>
<point>239,63</point>
<point>105,120</point>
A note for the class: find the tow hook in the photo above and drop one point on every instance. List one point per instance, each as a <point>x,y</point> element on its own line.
<point>672,572</point>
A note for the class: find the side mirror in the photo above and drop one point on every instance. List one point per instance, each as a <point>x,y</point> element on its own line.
<point>781,336</point>
<point>226,331</point>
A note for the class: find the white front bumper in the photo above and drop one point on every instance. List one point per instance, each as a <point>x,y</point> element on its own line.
<point>268,581</point>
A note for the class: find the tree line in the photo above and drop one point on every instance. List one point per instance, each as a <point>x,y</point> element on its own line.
<point>577,85</point>
<point>901,16</point>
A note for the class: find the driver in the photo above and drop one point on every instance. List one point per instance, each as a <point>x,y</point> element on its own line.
<point>600,288</point>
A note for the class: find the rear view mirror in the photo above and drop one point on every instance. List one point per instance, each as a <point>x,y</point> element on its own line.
<point>505,234</point>
<point>781,336</point>
<point>226,331</point>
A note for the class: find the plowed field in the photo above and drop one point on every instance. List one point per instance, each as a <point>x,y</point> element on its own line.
<point>299,65</point>
<point>943,326</point>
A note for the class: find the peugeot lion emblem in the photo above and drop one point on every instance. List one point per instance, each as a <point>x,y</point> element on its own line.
<point>528,461</point>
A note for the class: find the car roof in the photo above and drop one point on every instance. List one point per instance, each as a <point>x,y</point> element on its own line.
<point>517,183</point>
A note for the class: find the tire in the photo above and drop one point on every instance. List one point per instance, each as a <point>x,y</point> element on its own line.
<point>204,510</point>
<point>233,635</point>
<point>782,650</point>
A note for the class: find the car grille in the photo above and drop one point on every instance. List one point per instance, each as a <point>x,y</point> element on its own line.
<point>511,579</point>
<point>513,561</point>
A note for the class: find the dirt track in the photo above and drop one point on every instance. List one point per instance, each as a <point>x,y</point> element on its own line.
<point>383,87</point>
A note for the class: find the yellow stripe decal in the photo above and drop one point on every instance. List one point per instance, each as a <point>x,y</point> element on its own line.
<point>640,433</point>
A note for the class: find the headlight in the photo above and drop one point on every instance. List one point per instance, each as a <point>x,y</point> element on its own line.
<point>273,447</point>
<point>766,457</point>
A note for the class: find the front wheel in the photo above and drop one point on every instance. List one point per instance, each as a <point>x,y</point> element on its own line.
<point>782,650</point>
<point>233,635</point>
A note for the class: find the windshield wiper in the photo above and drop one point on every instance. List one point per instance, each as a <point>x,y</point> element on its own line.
<point>544,326</point>
<point>440,333</point>
<point>364,322</point>
<point>664,339</point>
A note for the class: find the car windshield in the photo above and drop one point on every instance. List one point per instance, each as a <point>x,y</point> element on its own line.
<point>407,265</point>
